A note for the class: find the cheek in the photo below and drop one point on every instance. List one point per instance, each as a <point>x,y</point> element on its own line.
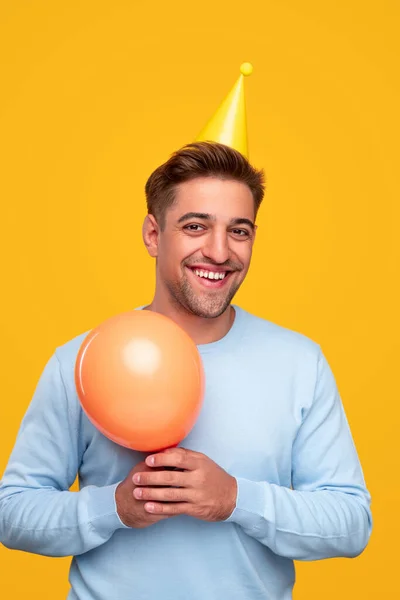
<point>243,254</point>
<point>171,255</point>
<point>181,248</point>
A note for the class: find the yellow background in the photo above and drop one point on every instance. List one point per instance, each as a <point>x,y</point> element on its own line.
<point>96,94</point>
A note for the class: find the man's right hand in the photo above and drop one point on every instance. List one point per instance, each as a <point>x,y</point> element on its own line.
<point>130,510</point>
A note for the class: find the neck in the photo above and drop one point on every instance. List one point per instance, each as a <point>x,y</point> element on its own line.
<point>202,330</point>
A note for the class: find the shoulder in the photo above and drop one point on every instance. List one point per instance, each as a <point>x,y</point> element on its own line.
<point>279,339</point>
<point>66,355</point>
<point>68,351</point>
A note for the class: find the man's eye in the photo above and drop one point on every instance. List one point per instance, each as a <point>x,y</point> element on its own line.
<point>194,227</point>
<point>241,232</point>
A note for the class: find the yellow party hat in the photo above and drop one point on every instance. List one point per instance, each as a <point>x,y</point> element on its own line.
<point>228,125</point>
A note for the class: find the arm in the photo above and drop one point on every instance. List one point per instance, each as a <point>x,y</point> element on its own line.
<point>38,513</point>
<point>327,513</point>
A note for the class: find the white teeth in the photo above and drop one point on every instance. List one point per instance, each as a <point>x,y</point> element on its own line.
<point>209,274</point>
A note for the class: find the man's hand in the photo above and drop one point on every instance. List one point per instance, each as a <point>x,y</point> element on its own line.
<point>131,511</point>
<point>202,489</point>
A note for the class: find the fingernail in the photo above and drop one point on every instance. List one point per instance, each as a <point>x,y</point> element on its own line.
<point>138,493</point>
<point>150,507</point>
<point>150,460</point>
<point>136,478</point>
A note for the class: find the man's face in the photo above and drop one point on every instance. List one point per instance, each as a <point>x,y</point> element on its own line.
<point>204,252</point>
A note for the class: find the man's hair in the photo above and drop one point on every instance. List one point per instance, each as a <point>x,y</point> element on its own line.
<point>199,159</point>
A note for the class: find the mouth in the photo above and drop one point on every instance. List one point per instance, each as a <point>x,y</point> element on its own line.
<point>212,279</point>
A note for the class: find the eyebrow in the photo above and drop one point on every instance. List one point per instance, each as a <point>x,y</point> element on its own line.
<point>208,217</point>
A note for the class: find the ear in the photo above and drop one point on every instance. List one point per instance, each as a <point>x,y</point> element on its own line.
<point>150,234</point>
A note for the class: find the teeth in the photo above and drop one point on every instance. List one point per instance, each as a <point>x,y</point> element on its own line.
<point>209,274</point>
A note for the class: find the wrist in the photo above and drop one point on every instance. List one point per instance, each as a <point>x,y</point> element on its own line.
<point>231,498</point>
<point>254,504</point>
<point>120,504</point>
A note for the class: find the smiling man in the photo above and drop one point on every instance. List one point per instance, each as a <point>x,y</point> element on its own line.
<point>202,207</point>
<point>268,475</point>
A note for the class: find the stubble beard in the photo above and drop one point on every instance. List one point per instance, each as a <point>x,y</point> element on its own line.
<point>207,305</point>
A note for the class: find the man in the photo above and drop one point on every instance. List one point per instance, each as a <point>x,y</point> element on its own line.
<point>268,475</point>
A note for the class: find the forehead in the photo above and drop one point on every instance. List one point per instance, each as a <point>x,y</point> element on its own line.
<point>226,199</point>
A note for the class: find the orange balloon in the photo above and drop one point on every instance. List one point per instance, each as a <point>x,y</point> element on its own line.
<point>140,380</point>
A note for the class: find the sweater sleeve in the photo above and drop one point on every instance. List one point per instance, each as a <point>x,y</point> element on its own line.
<point>326,512</point>
<point>38,513</point>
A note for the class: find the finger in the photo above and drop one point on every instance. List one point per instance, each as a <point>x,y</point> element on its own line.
<point>174,457</point>
<point>170,509</point>
<point>162,478</point>
<point>162,494</point>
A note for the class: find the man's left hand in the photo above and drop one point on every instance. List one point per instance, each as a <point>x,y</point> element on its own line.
<point>201,489</point>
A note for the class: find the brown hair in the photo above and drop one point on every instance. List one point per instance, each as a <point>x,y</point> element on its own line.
<point>199,159</point>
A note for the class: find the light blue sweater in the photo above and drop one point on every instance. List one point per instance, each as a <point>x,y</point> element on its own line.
<point>272,417</point>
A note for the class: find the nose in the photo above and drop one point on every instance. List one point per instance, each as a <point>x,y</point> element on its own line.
<point>216,247</point>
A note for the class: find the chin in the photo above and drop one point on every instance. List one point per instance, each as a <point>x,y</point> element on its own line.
<point>207,314</point>
<point>199,304</point>
<point>207,310</point>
